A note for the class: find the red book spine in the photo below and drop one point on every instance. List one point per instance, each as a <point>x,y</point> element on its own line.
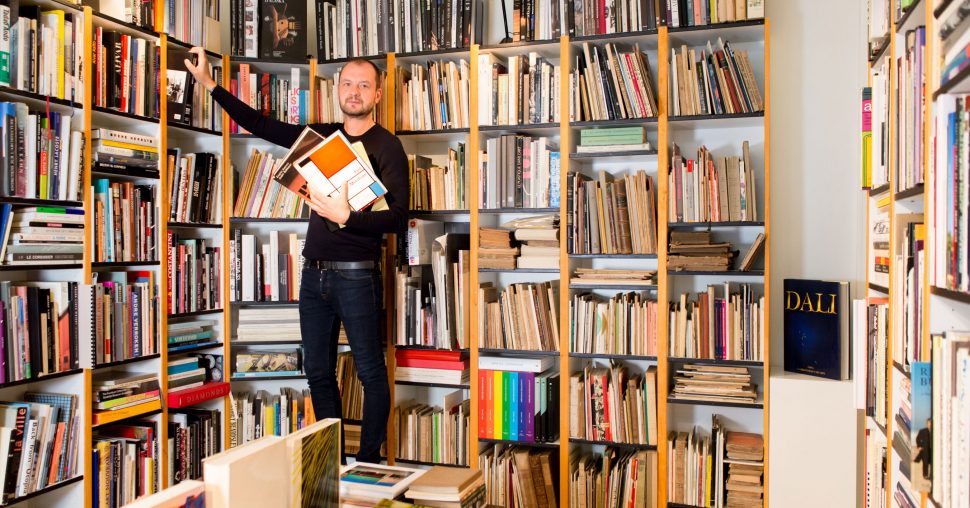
<point>452,356</point>
<point>482,397</point>
<point>431,364</point>
<point>191,396</point>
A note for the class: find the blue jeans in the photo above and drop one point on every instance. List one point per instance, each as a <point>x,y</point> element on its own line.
<point>351,297</point>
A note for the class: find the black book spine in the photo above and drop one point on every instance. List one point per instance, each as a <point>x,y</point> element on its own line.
<point>75,323</point>
<point>33,331</point>
<point>259,292</point>
<point>570,181</point>
<point>198,174</point>
<point>51,324</point>
<point>237,263</point>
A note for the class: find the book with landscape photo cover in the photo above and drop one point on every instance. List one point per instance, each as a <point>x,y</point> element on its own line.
<point>817,328</point>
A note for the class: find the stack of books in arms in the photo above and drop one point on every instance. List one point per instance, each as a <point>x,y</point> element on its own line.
<point>51,42</point>
<point>125,464</point>
<point>125,222</point>
<point>438,187</point>
<point>681,13</point>
<point>261,196</point>
<point>448,487</point>
<point>259,414</point>
<point>265,273</point>
<point>611,216</point>
<point>41,235</point>
<point>611,405</point>
<point>364,484</point>
<point>520,317</point>
<point>709,190</point>
<point>196,187</point>
<point>608,84</point>
<point>531,482</point>
<point>714,383</point>
<point>620,477</point>
<point>125,72</point>
<point>194,275</point>
<point>191,334</point>
<point>431,366</point>
<point>268,324</point>
<point>124,151</point>
<point>525,90</point>
<point>36,335</point>
<point>193,435</point>
<point>41,154</point>
<point>626,324</point>
<point>719,82</point>
<point>256,363</point>
<point>613,140</point>
<point>433,434</point>
<point>726,327</point>
<point>39,442</point>
<point>519,171</point>
<point>132,392</point>
<point>519,399</point>
<point>273,96</point>
<point>118,318</point>
<point>432,97</point>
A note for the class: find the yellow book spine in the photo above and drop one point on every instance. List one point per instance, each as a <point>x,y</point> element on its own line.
<point>130,146</point>
<point>102,417</point>
<point>497,401</point>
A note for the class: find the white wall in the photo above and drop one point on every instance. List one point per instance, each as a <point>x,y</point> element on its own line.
<point>817,232</point>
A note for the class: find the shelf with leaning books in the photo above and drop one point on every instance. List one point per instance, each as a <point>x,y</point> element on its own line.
<point>32,268</point>
<point>105,265</point>
<point>54,487</point>
<point>513,210</point>
<point>613,156</point>
<point>180,315</point>
<point>614,444</point>
<point>256,379</point>
<point>732,273</point>
<point>268,220</point>
<point>516,352</point>
<point>612,256</point>
<point>124,172</point>
<point>114,23</point>
<point>209,53</point>
<point>191,130</point>
<point>913,192</point>
<point>102,114</point>
<point>538,128</point>
<point>716,224</point>
<point>912,16</point>
<point>949,294</point>
<point>608,356</point>
<point>877,287</point>
<point>193,225</point>
<point>40,379</point>
<point>37,100</point>
<point>429,133</point>
<point>398,460</point>
<point>713,361</point>
<point>264,304</point>
<point>117,363</point>
<point>14,200</point>
<point>518,270</point>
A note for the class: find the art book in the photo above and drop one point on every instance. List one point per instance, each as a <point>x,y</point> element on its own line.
<point>179,89</point>
<point>375,481</point>
<point>282,33</point>
<point>817,328</point>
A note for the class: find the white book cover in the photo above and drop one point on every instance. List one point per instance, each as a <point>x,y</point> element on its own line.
<point>254,475</point>
<point>515,364</point>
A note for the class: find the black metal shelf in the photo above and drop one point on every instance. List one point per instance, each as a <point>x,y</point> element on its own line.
<point>267,378</point>
<point>212,54</point>
<point>518,443</point>
<point>743,405</point>
<point>518,44</point>
<point>372,58</point>
<point>612,256</point>
<point>721,224</point>
<point>433,213</point>
<point>246,220</point>
<point>196,313</point>
<point>689,118</point>
<point>191,129</point>
<point>198,225</point>
<point>519,127</point>
<point>14,200</point>
<point>126,362</point>
<point>717,26</point>
<point>122,114</point>
<point>714,361</point>
<point>614,123</point>
<point>129,26</point>
<point>940,9</point>
<point>629,446</point>
<point>951,294</point>
<point>516,352</point>
<point>123,264</point>
<point>607,356</point>
<point>433,132</point>
<point>594,38</point>
<point>901,22</point>
<point>611,155</point>
<point>916,190</point>
<point>265,304</point>
<point>428,348</point>
<point>879,190</point>
<point>43,265</point>
<point>45,490</point>
<point>959,79</point>
<point>248,343</point>
<point>739,273</point>
<point>881,51</point>
<point>518,270</point>
<point>517,210</point>
<point>201,347</point>
<point>422,463</point>
<point>615,287</point>
<point>126,172</point>
<point>40,379</point>
<point>24,94</point>
<point>432,385</point>
<point>881,289</point>
<point>268,61</point>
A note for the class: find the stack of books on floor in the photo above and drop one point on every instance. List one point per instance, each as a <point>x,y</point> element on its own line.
<point>193,435</point>
<point>523,91</point>
<point>125,222</point>
<point>610,85</point>
<point>41,235</point>
<point>714,383</point>
<point>712,189</point>
<point>276,97</point>
<point>503,412</point>
<point>280,324</point>
<point>125,72</point>
<point>40,438</point>
<point>196,187</point>
<point>696,251</point>
<point>519,472</point>
<point>258,414</point>
<point>495,249</point>
<point>125,464</point>
<point>539,246</point>
<point>351,389</point>
<point>611,216</point>
<point>125,151</point>
<point>438,186</point>
<point>128,328</point>
<point>260,196</point>
<point>43,158</point>
<point>366,484</point>
<point>726,327</point>
<point>191,335</point>
<point>432,97</point>
<point>613,140</point>
<point>431,366</point>
<point>519,171</point>
<point>613,277</point>
<point>626,324</point>
<point>609,404</point>
<point>521,317</point>
<point>745,459</point>
<point>194,274</point>
<point>125,396</point>
<point>36,336</point>
<point>447,486</point>
<point>266,271</point>
<point>718,81</point>
<point>433,433</point>
<point>618,477</point>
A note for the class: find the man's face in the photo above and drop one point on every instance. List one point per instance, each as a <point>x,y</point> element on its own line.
<point>357,90</point>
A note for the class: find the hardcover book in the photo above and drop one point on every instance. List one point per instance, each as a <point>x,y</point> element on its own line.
<point>179,88</point>
<point>282,29</point>
<point>921,430</point>
<point>817,328</point>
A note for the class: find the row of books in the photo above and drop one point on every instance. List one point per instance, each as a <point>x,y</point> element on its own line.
<point>877,343</point>
<point>683,13</point>
<point>522,90</point>
<point>261,196</point>
<point>625,324</point>
<point>950,383</point>
<point>125,463</point>
<point>911,106</point>
<point>712,189</point>
<point>520,317</point>
<point>41,235</point>
<point>518,171</point>
<point>518,472</point>
<point>194,275</point>
<point>611,215</point>
<point>719,81</point>
<point>39,441</point>
<point>191,334</point>
<point>119,317</point>
<point>42,50</point>
<point>875,126</point>
<point>432,96</point>
<point>261,413</point>
<point>125,70</point>
<point>610,404</point>
<point>124,151</point>
<point>114,392</point>
<point>610,84</point>
<point>432,433</point>
<point>195,187</point>
<point>272,95</point>
<point>953,45</point>
<point>948,220</point>
<point>439,185</point>
<point>618,16</point>
<point>41,154</point>
<point>265,271</point>
<point>129,11</point>
<point>328,100</point>
<point>725,326</point>
<point>268,29</point>
<point>909,344</point>
<point>125,222</point>
<point>188,102</point>
<point>618,477</point>
<point>518,406</point>
<point>432,301</point>
<point>37,336</point>
<point>193,435</point>
<point>195,23</point>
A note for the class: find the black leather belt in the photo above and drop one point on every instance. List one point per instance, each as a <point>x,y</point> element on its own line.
<point>320,264</point>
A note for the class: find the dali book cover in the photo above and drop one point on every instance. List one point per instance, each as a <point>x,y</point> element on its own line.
<point>817,328</point>
<point>282,29</point>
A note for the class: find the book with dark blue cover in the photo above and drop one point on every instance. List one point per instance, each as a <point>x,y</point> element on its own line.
<point>817,328</point>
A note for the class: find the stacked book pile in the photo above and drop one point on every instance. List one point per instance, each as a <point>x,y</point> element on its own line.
<point>495,249</point>
<point>41,235</point>
<point>366,484</point>
<point>46,424</point>
<point>116,395</point>
<point>280,324</point>
<point>610,84</point>
<point>185,373</point>
<point>611,405</point>
<point>431,366</point>
<point>613,277</point>
<point>608,215</point>
<point>519,399</point>
<point>434,433</point>
<point>539,247</point>
<point>522,317</point>
<point>123,151</point>
<point>714,383</point>
<point>199,378</point>
<point>448,486</point>
<point>613,140</point>
<point>745,455</point>
<point>696,251</point>
<point>42,154</point>
<point>191,334</point>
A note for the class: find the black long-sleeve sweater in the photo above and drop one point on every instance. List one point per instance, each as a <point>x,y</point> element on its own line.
<point>360,240</point>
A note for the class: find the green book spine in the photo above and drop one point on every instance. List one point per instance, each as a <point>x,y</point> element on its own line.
<point>506,411</point>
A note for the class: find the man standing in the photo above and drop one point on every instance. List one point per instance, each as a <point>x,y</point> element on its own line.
<point>340,281</point>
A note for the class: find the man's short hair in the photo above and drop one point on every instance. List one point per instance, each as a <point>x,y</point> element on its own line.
<point>364,61</point>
